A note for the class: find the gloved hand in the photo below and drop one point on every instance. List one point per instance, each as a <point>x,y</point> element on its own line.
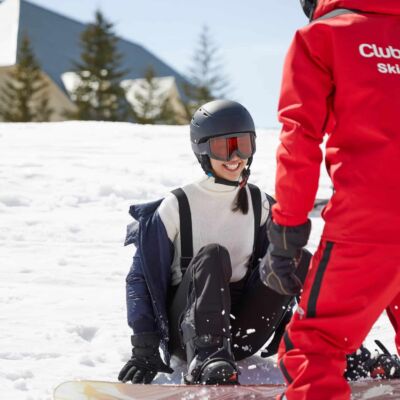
<point>278,267</point>
<point>145,362</point>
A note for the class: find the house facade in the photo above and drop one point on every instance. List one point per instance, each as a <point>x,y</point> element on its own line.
<point>55,42</point>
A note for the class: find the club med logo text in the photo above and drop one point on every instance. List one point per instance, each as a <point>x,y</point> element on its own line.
<point>372,50</point>
<point>368,50</point>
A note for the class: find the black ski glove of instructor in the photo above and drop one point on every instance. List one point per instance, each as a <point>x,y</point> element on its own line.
<point>278,267</point>
<point>145,362</point>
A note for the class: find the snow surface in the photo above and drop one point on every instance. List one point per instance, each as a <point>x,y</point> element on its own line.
<point>65,190</point>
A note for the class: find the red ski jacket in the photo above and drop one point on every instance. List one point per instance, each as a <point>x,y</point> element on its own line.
<point>342,78</point>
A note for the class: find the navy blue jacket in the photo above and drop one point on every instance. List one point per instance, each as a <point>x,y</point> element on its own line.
<point>149,279</point>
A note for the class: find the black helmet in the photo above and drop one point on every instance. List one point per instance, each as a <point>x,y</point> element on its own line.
<point>217,118</point>
<point>309,7</point>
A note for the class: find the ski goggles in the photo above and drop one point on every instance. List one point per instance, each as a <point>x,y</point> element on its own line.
<point>222,148</point>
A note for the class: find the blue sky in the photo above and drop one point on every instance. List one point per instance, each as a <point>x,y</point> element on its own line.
<point>252,37</point>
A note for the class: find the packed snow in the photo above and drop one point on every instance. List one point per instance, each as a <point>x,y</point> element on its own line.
<point>65,190</point>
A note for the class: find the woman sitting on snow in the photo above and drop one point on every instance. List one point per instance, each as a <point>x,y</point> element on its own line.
<point>194,287</point>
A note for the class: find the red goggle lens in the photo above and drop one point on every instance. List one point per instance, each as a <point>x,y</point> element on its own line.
<point>222,148</point>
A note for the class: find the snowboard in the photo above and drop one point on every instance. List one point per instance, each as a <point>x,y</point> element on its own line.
<point>96,390</point>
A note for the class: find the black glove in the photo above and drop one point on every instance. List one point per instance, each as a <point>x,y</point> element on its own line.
<point>278,267</point>
<point>145,362</point>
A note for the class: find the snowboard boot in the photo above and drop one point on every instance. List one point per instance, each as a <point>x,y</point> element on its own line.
<point>358,364</point>
<point>210,361</point>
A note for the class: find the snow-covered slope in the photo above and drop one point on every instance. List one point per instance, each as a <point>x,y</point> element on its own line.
<point>65,189</point>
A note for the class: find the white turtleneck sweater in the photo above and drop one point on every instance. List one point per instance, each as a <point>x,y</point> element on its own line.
<point>213,221</point>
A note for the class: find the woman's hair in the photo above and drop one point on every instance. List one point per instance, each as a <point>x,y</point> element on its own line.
<point>242,202</point>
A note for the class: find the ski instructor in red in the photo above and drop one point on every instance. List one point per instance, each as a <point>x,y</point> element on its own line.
<point>341,78</point>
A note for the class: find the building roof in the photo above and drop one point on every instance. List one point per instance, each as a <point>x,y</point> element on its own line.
<point>55,41</point>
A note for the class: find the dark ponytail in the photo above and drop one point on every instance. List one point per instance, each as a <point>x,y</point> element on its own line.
<point>242,202</point>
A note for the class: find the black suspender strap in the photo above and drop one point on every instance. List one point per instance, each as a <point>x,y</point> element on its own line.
<point>256,200</point>
<point>185,222</point>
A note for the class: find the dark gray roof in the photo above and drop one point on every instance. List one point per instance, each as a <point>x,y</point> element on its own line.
<point>55,42</point>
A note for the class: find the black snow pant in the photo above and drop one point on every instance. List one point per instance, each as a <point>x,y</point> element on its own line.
<point>205,302</point>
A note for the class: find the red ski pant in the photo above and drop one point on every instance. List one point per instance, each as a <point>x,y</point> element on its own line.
<point>347,288</point>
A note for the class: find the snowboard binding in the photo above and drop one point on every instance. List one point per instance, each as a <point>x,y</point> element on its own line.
<point>385,365</point>
<point>215,371</point>
<point>210,362</point>
<point>362,364</point>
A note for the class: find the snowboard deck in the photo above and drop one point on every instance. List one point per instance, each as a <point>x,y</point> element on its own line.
<point>97,390</point>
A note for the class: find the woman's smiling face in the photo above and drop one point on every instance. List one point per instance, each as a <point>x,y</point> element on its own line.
<point>230,170</point>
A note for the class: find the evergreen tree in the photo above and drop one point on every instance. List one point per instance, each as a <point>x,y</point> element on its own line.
<point>98,95</point>
<point>149,105</point>
<point>207,82</point>
<point>24,97</point>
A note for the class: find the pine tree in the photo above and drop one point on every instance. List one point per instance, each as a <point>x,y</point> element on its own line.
<point>99,95</point>
<point>207,82</point>
<point>149,105</point>
<point>24,97</point>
